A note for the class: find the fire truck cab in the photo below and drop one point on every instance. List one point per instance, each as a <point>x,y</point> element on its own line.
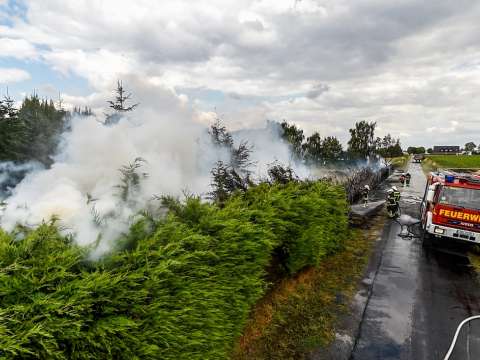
<point>451,207</point>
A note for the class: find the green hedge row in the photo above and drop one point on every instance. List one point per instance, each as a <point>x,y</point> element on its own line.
<point>183,291</point>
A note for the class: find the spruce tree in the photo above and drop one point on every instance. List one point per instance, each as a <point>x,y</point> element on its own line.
<point>13,131</point>
<point>119,104</point>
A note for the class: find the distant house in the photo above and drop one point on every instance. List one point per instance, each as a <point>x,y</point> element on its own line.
<point>445,150</point>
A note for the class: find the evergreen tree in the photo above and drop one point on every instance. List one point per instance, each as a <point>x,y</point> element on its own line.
<point>220,175</point>
<point>13,131</point>
<point>220,135</point>
<point>281,174</point>
<point>31,132</point>
<point>130,180</point>
<point>43,125</point>
<point>119,105</point>
<point>7,108</point>
<point>86,111</point>
<point>225,181</point>
<point>240,158</point>
<point>234,175</point>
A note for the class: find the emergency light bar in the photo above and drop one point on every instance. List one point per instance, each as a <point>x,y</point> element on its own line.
<point>449,178</point>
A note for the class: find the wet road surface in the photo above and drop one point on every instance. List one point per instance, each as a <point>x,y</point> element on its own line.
<point>418,296</point>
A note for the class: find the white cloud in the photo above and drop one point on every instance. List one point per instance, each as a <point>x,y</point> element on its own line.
<point>12,75</point>
<point>102,68</point>
<point>321,63</point>
<point>17,48</point>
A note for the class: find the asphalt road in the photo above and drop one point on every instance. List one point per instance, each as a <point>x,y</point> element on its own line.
<point>418,296</point>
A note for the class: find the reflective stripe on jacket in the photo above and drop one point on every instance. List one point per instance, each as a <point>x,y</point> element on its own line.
<point>396,195</point>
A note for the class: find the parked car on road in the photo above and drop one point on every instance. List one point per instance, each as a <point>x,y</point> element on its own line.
<point>417,158</point>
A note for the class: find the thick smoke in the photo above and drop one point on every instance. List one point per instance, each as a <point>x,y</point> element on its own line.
<point>82,186</point>
<point>11,174</point>
<point>268,148</point>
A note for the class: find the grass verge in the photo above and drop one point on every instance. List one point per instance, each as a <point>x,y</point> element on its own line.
<point>429,165</point>
<point>474,258</point>
<point>475,261</point>
<point>399,162</point>
<point>300,314</point>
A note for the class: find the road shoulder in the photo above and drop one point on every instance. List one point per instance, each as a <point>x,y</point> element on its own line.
<point>349,324</point>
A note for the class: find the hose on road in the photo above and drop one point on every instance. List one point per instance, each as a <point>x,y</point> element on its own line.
<point>454,341</point>
<point>410,232</point>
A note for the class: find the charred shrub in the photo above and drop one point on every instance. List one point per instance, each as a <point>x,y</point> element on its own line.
<point>281,174</point>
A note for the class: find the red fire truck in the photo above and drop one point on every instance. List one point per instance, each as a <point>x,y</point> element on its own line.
<point>451,207</point>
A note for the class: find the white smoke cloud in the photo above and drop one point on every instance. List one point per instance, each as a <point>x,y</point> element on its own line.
<point>267,149</point>
<point>84,178</point>
<point>10,173</point>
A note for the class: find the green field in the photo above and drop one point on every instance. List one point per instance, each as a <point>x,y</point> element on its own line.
<point>454,161</point>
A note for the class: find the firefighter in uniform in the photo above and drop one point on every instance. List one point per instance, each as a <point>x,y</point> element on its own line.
<point>365,192</point>
<point>393,202</point>
<point>407,179</point>
<point>396,193</point>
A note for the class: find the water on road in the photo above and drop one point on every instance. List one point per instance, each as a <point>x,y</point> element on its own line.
<point>418,296</point>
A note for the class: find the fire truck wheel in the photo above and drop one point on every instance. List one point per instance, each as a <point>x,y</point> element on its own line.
<point>427,240</point>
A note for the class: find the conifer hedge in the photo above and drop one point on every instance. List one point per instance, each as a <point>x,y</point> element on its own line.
<point>181,291</point>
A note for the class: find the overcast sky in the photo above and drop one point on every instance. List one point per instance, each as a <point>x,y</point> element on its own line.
<point>411,66</point>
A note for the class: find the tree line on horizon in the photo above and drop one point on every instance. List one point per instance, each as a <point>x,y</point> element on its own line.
<point>363,144</point>
<point>469,147</point>
<point>32,131</point>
